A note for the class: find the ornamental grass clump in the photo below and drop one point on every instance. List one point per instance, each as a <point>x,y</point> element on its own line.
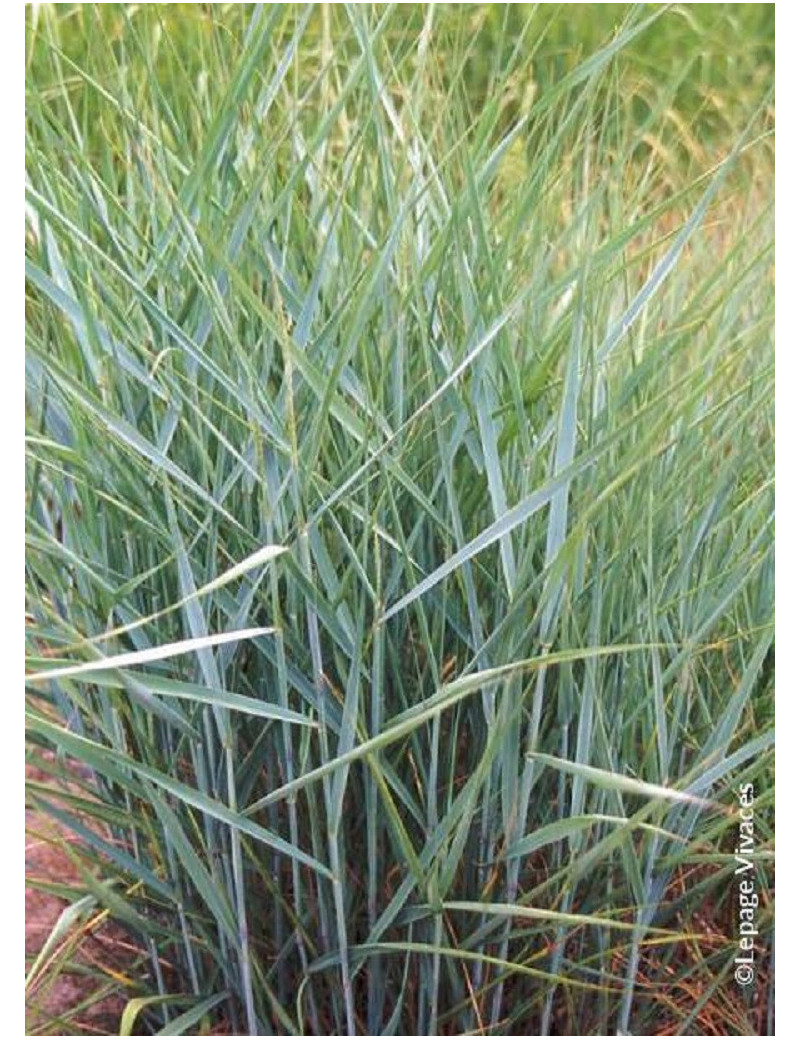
<point>399,504</point>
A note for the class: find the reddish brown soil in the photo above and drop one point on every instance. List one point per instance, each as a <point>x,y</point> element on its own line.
<point>82,998</point>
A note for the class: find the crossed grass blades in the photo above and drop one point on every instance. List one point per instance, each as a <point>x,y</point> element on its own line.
<point>400,509</point>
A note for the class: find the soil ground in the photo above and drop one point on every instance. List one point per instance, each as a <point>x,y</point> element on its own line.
<point>83,998</point>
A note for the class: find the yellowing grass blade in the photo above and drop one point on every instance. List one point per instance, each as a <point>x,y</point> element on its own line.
<point>155,653</point>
